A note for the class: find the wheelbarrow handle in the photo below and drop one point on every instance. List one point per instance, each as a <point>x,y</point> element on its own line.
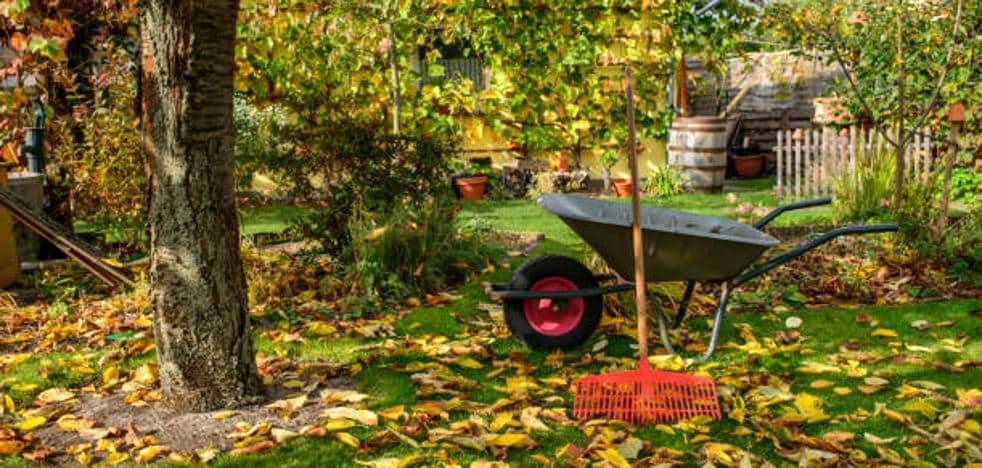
<point>801,249</point>
<point>790,207</point>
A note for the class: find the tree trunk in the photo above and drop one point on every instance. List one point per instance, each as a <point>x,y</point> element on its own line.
<point>394,79</point>
<point>198,290</point>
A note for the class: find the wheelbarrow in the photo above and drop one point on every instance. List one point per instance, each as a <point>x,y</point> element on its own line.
<point>556,302</point>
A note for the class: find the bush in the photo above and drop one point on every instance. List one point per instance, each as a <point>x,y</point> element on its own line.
<point>966,186</point>
<point>865,192</point>
<point>107,170</point>
<point>357,167</point>
<point>664,181</point>
<point>411,250</point>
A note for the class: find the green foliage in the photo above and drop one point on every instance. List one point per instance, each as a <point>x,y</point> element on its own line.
<point>966,186</point>
<point>905,62</point>
<point>664,181</point>
<point>411,250</point>
<point>107,170</point>
<point>360,170</point>
<point>865,192</point>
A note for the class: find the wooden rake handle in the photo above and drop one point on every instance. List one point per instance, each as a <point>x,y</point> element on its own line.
<point>640,296</point>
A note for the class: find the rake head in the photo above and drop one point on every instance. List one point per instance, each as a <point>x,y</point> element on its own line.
<point>645,396</point>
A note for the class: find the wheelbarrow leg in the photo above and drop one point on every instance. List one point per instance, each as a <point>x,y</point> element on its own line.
<point>666,341</point>
<point>724,296</point>
<point>684,304</point>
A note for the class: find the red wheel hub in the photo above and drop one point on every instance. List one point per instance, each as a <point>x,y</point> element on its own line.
<point>554,317</point>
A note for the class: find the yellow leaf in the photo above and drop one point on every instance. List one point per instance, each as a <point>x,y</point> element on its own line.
<point>468,362</point>
<point>810,406</point>
<point>501,420</point>
<point>8,405</point>
<point>822,383</point>
<point>811,367</point>
<point>116,458</point>
<point>222,415</point>
<point>149,453</point>
<point>922,407</point>
<point>31,423</point>
<point>72,423</point>
<point>110,375</point>
<point>55,395</point>
<point>394,413</point>
<point>375,234</point>
<point>348,439</point>
<point>366,417</point>
<point>146,374</point>
<point>207,454</point>
<point>339,424</point>
<point>554,381</point>
<point>294,384</point>
<point>321,329</point>
<point>84,458</point>
<point>842,391</point>
<point>896,416</point>
<point>511,440</point>
<point>970,398</point>
<point>348,396</point>
<point>614,458</point>
<point>884,333</point>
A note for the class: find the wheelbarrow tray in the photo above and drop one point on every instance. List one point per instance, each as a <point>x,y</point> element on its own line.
<point>678,246</point>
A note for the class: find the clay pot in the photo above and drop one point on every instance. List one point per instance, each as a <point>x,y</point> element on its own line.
<point>563,164</point>
<point>748,167</point>
<point>472,188</point>
<point>622,187</point>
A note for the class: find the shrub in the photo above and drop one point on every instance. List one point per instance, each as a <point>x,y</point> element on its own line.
<point>359,167</point>
<point>664,181</point>
<point>107,170</point>
<point>865,192</point>
<point>411,250</point>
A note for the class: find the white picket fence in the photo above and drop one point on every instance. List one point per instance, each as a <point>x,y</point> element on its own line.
<point>810,160</point>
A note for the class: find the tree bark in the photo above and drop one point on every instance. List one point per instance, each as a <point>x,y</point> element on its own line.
<point>198,290</point>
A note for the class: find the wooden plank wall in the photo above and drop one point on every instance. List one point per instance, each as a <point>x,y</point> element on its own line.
<point>783,86</point>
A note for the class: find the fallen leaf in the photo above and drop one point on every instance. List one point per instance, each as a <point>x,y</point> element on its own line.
<point>55,395</point>
<point>614,458</point>
<point>884,333</point>
<point>822,383</point>
<point>31,423</point>
<point>514,440</point>
<point>281,435</point>
<point>222,415</point>
<point>347,439</point>
<point>288,406</point>
<point>366,417</point>
<point>149,453</point>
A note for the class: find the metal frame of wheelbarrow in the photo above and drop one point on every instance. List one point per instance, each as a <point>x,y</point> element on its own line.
<point>505,293</point>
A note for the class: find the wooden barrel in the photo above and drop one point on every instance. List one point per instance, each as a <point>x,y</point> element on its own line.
<point>697,146</point>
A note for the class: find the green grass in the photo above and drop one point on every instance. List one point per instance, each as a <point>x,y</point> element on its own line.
<point>528,216</point>
<point>272,219</point>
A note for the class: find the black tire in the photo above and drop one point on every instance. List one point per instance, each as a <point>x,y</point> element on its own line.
<point>542,267</point>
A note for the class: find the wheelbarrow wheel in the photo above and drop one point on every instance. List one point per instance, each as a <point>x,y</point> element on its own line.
<point>546,324</point>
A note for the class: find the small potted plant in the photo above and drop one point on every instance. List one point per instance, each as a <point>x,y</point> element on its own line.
<point>472,184</point>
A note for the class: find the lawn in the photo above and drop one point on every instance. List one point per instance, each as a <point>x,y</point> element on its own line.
<point>851,384</point>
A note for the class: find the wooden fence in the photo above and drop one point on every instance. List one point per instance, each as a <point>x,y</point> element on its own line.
<point>810,160</point>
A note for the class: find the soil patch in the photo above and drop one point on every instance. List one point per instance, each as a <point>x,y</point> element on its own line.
<point>181,432</point>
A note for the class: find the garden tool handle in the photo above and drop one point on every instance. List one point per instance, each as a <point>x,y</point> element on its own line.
<point>640,296</point>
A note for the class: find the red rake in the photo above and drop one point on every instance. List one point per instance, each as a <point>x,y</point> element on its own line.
<point>643,395</point>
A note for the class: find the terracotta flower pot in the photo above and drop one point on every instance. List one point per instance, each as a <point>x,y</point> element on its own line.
<point>748,167</point>
<point>622,187</point>
<point>472,188</point>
